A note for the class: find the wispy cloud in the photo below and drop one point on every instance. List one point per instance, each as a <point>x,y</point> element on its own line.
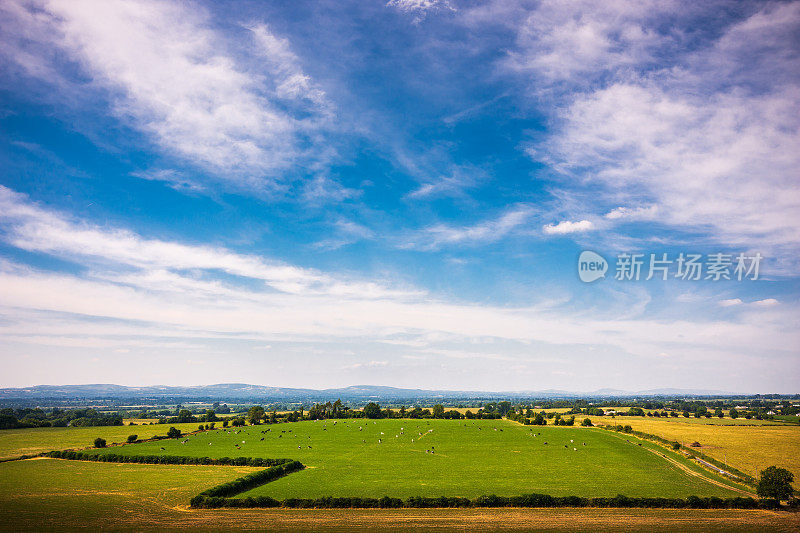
<point>693,138</point>
<point>439,235</point>
<point>137,293</point>
<point>420,8</point>
<point>451,184</point>
<point>159,264</point>
<point>578,42</point>
<point>166,72</point>
<point>345,232</point>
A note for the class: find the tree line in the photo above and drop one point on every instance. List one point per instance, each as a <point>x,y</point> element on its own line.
<point>36,418</point>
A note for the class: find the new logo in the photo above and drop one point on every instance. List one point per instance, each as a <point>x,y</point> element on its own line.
<point>591,266</point>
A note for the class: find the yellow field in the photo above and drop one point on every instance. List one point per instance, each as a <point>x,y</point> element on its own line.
<point>749,448</point>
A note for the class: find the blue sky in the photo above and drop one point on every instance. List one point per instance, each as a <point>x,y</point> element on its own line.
<point>321,194</point>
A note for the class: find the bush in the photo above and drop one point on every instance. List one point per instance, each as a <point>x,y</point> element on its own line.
<point>132,438</point>
<point>775,483</point>
<point>173,433</point>
<point>676,445</point>
<point>99,442</point>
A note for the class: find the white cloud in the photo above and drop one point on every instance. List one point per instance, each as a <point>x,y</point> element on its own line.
<point>434,237</point>
<point>699,139</point>
<point>420,8</point>
<point>567,226</point>
<point>344,232</point>
<point>767,302</point>
<point>715,161</point>
<point>453,183</point>
<point>731,302</point>
<point>577,41</point>
<point>170,75</point>
<point>138,288</point>
<point>368,364</point>
<point>322,190</point>
<point>632,213</point>
<point>160,264</point>
<point>289,79</point>
<point>173,178</point>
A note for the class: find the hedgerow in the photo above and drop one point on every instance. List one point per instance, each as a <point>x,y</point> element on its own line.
<point>164,459</point>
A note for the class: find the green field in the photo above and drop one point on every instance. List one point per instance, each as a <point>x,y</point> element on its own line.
<point>446,458</point>
<point>31,441</point>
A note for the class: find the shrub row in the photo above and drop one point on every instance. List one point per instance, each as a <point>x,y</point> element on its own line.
<point>526,500</point>
<point>165,459</point>
<point>245,483</point>
<point>20,458</point>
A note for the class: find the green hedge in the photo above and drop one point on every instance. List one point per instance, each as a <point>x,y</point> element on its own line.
<point>249,481</point>
<point>164,459</point>
<point>525,500</point>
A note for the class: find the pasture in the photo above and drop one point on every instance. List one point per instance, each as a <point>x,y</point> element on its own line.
<point>31,441</point>
<point>404,458</point>
<point>747,445</point>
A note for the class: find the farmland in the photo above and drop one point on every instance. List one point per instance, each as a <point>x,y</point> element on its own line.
<point>16,442</point>
<point>447,457</point>
<point>470,458</point>
<point>46,494</point>
<point>747,445</point>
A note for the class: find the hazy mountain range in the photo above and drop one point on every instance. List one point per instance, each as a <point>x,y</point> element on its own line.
<point>242,391</point>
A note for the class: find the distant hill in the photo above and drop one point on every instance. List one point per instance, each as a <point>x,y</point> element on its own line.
<point>243,391</point>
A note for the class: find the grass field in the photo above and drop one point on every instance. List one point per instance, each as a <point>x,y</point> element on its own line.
<point>46,494</point>
<point>469,458</point>
<point>750,448</point>
<point>16,442</point>
<point>49,494</point>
